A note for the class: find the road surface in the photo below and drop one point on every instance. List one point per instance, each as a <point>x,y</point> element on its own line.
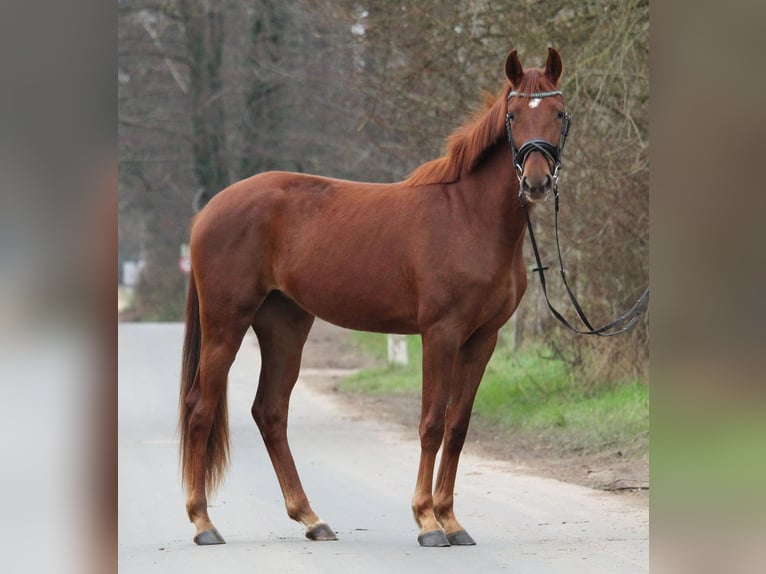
<point>359,476</point>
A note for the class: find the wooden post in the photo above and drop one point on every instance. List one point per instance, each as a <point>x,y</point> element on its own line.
<point>397,350</point>
<point>516,332</point>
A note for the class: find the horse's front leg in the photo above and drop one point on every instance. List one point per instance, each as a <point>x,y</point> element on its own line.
<point>470,365</point>
<point>439,354</point>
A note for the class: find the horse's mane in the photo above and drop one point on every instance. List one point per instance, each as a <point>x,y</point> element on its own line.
<point>467,145</point>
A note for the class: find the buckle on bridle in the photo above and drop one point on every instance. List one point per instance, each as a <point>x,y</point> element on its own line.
<point>555,176</point>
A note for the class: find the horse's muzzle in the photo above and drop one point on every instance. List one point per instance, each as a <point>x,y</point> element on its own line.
<point>536,189</point>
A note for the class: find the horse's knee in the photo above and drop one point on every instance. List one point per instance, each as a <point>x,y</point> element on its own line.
<point>431,432</point>
<point>454,437</point>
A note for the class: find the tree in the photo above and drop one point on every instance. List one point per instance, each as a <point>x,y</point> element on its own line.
<point>202,23</point>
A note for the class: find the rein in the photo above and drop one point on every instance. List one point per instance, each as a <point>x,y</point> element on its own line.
<point>553,154</point>
<point>619,325</point>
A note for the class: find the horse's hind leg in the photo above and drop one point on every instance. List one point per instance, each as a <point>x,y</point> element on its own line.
<point>207,424</point>
<point>282,328</point>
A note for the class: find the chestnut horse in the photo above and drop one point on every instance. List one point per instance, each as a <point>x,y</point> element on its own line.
<point>438,254</point>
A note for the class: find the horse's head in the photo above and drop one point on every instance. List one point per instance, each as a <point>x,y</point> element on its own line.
<point>536,123</point>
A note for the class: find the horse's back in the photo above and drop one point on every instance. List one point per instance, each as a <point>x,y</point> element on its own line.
<point>342,250</point>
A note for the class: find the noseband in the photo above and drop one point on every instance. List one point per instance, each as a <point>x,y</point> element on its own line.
<point>551,152</point>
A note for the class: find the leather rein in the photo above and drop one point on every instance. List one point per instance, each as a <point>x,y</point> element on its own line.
<point>553,154</point>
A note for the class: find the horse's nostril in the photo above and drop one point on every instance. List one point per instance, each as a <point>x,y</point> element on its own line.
<point>536,185</point>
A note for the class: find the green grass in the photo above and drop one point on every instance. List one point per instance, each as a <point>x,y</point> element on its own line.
<point>389,378</point>
<point>530,391</point>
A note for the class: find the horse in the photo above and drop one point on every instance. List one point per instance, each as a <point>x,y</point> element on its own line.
<point>439,254</point>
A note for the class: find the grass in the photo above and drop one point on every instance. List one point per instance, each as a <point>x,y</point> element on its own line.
<point>390,378</point>
<point>529,391</point>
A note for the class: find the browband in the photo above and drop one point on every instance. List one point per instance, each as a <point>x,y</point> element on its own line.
<point>534,94</point>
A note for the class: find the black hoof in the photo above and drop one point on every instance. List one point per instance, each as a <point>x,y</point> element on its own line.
<point>460,538</point>
<point>433,539</point>
<point>208,537</point>
<point>321,531</point>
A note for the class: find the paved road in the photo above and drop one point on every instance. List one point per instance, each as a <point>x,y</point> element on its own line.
<point>359,476</point>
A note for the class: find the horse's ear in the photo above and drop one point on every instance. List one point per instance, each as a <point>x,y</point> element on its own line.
<point>513,69</point>
<point>553,66</point>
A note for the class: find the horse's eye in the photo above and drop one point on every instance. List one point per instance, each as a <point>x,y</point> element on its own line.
<point>511,117</point>
<point>560,115</point>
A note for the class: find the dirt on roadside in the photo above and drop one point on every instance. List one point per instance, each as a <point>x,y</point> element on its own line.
<point>627,473</point>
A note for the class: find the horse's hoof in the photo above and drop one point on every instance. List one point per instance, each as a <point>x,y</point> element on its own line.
<point>433,539</point>
<point>321,531</point>
<point>460,538</point>
<point>208,537</point>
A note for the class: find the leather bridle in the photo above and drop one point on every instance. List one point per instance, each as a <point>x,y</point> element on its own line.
<point>553,154</point>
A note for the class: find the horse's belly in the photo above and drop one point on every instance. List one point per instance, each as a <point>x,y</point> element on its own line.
<point>362,307</point>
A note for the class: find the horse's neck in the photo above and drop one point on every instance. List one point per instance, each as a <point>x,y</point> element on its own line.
<point>494,192</point>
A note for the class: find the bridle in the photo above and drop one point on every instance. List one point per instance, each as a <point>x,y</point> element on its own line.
<point>553,154</point>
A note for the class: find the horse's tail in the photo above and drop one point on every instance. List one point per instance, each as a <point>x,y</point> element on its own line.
<point>217,451</point>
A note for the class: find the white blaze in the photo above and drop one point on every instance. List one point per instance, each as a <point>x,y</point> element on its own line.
<point>534,102</point>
